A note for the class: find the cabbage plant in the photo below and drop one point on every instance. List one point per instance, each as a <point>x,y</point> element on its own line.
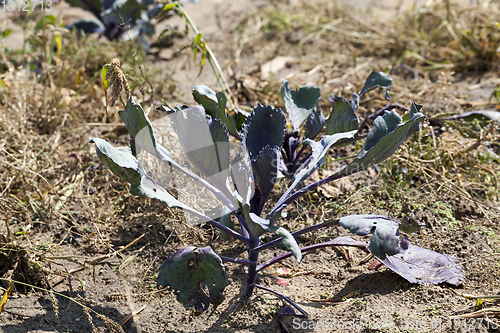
<point>239,163</point>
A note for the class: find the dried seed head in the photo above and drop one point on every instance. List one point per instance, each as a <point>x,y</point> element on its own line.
<point>117,81</point>
<point>55,307</point>
<point>112,326</point>
<point>89,318</point>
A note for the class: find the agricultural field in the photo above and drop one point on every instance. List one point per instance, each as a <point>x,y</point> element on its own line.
<point>395,104</point>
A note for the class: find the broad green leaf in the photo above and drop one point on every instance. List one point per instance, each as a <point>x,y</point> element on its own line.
<point>196,275</point>
<point>299,104</point>
<point>290,243</point>
<point>374,80</point>
<point>143,137</point>
<point>257,225</point>
<point>387,134</point>
<point>223,116</point>
<point>225,219</point>
<point>139,127</point>
<point>264,127</point>
<point>385,239</point>
<point>215,106</point>
<point>342,118</point>
<point>314,123</point>
<point>266,168</point>
<point>121,162</point>
<point>205,145</point>
<point>148,188</point>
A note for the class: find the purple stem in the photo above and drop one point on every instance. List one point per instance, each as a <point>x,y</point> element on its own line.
<point>305,161</point>
<point>252,268</point>
<point>284,155</point>
<point>244,226</point>
<point>238,261</point>
<point>277,241</point>
<point>300,153</point>
<point>303,249</point>
<point>216,224</point>
<point>283,297</point>
<point>286,199</point>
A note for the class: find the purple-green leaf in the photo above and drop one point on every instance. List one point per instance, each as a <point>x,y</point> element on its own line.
<point>387,134</point>
<point>419,265</point>
<point>207,98</point>
<point>385,239</point>
<point>314,123</point>
<point>265,168</point>
<point>382,141</point>
<point>264,127</point>
<point>215,106</point>
<point>374,80</point>
<point>290,243</point>
<point>148,188</point>
<point>196,275</point>
<point>416,264</point>
<point>139,127</point>
<point>225,219</point>
<point>299,104</point>
<point>319,151</point>
<point>342,118</point>
<point>120,161</point>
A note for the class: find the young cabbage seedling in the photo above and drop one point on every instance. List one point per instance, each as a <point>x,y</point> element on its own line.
<point>243,182</point>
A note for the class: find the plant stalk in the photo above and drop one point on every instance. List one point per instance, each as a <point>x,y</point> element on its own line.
<point>286,199</point>
<point>277,241</point>
<point>253,256</point>
<point>303,249</point>
<point>244,262</point>
<point>216,224</point>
